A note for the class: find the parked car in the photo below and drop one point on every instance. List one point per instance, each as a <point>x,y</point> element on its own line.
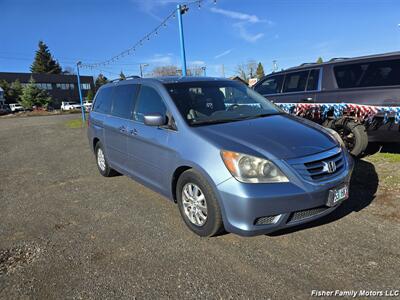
<point>4,109</point>
<point>70,105</point>
<point>227,156</point>
<point>358,97</point>
<point>87,105</point>
<point>14,107</point>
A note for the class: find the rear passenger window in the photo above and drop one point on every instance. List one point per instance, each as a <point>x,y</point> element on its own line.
<point>368,74</point>
<point>102,103</point>
<point>271,85</point>
<point>349,76</point>
<point>295,82</point>
<point>123,100</point>
<point>312,82</point>
<point>149,101</point>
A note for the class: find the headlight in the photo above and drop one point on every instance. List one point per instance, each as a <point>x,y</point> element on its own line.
<point>336,136</point>
<point>247,168</point>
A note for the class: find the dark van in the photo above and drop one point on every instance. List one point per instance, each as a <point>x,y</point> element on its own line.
<point>358,97</point>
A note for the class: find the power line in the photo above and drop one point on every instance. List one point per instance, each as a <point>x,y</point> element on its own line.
<point>145,38</point>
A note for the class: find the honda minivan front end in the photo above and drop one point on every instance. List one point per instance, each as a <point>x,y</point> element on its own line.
<point>302,190</point>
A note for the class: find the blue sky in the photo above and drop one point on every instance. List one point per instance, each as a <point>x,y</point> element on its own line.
<point>229,32</point>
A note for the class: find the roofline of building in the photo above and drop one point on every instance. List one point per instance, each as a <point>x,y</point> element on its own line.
<point>39,74</point>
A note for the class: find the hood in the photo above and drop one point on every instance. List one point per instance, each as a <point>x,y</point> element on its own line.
<point>282,136</point>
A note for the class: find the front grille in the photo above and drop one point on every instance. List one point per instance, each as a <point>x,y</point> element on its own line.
<point>316,168</point>
<point>307,213</point>
<point>266,220</point>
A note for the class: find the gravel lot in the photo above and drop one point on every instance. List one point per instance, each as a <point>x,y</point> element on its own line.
<point>67,232</point>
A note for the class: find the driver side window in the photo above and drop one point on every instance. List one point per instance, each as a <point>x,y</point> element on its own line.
<point>149,102</point>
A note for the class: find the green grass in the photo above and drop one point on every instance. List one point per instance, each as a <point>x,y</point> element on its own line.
<point>75,123</point>
<point>389,157</point>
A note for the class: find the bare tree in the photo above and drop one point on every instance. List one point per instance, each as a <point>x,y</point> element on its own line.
<point>165,71</point>
<point>241,72</point>
<point>173,70</point>
<point>247,70</point>
<point>195,71</point>
<point>251,68</point>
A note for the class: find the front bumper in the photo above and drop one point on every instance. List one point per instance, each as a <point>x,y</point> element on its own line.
<point>253,209</point>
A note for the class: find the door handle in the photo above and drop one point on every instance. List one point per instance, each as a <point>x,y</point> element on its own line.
<point>133,131</point>
<point>309,99</point>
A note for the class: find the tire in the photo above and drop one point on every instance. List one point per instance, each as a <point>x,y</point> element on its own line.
<point>102,163</point>
<point>353,134</point>
<point>208,207</point>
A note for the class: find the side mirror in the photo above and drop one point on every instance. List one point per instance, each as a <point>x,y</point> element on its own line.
<point>155,120</point>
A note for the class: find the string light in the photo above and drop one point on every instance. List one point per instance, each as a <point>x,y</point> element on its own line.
<point>154,32</point>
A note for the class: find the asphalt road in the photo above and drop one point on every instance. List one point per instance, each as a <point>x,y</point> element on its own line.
<point>67,232</point>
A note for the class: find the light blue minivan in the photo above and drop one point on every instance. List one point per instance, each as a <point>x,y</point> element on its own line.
<point>231,159</point>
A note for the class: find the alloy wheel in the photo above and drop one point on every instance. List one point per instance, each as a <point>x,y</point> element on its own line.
<point>194,204</point>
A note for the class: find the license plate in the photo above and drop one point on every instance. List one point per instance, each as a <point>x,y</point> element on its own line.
<point>337,195</point>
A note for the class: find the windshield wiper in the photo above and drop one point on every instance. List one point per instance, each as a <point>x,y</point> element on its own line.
<point>261,115</point>
<point>219,121</point>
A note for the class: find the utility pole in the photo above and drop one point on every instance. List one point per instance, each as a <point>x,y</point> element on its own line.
<point>223,70</point>
<point>274,66</point>
<point>80,91</point>
<point>181,9</point>
<point>141,66</point>
<point>204,71</point>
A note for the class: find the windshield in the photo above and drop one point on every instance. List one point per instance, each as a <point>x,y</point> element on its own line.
<point>210,102</point>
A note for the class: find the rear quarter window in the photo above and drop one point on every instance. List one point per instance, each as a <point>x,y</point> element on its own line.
<point>368,74</point>
<point>103,101</point>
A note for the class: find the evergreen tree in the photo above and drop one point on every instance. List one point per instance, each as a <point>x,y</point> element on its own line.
<point>319,60</point>
<point>44,61</point>
<point>6,88</point>
<point>260,71</point>
<point>100,80</point>
<point>15,90</point>
<point>12,91</point>
<point>122,76</point>
<point>89,95</point>
<point>34,96</point>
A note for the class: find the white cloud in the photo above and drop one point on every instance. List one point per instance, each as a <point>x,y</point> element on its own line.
<point>243,21</point>
<point>197,63</point>
<point>161,59</point>
<point>223,54</point>
<point>149,6</point>
<point>236,15</point>
<point>246,35</point>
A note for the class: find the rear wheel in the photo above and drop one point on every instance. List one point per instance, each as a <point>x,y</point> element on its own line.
<point>198,205</point>
<point>354,135</point>
<point>102,163</point>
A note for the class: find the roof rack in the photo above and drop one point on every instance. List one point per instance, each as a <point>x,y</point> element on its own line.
<point>307,64</point>
<point>127,77</point>
<point>337,58</point>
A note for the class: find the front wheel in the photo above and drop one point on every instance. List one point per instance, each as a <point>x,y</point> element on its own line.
<point>198,205</point>
<point>354,135</point>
